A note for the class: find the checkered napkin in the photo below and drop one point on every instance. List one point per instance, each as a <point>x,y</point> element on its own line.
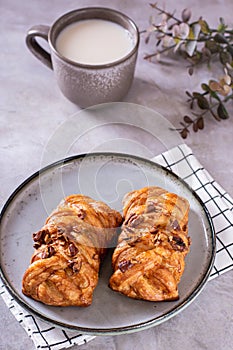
<point>180,160</point>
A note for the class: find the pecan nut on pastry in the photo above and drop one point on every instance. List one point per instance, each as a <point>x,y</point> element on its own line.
<point>68,251</point>
<point>148,260</point>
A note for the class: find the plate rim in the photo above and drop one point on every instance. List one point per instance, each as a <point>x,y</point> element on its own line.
<point>123,329</point>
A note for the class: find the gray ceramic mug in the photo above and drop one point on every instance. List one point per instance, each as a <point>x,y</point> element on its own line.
<point>87,84</point>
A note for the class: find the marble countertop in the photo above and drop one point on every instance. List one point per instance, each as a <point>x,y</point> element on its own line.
<point>32,109</point>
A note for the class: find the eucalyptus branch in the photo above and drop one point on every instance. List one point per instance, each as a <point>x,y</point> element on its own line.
<point>197,43</point>
<point>210,103</point>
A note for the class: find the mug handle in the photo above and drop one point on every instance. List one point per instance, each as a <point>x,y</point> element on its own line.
<point>41,31</point>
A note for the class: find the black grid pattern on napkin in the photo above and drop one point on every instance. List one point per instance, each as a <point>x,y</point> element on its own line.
<point>43,335</point>
<point>212,196</point>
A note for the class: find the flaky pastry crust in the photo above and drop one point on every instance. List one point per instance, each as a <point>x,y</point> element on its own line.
<point>68,251</point>
<point>149,259</point>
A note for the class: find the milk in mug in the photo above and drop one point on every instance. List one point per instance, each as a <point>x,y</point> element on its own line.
<point>94,42</point>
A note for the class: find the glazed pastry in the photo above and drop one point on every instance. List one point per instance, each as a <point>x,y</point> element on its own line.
<point>69,248</point>
<point>148,261</point>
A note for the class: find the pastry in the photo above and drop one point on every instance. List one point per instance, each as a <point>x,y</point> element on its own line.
<point>149,258</point>
<point>68,251</point>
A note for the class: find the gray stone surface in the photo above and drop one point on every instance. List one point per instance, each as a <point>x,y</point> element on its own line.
<point>32,108</point>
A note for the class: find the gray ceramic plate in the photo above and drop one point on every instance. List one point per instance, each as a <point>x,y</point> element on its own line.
<point>106,177</point>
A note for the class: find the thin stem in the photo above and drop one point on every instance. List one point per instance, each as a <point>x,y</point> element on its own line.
<point>165,12</point>
<point>159,52</point>
<point>200,39</point>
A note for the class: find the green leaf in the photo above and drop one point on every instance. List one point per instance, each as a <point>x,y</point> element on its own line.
<point>196,94</point>
<point>204,26</point>
<point>225,57</point>
<point>203,103</point>
<point>177,40</point>
<point>195,127</point>
<point>212,46</point>
<point>191,35</point>
<point>205,87</point>
<point>201,100</point>
<point>184,133</point>
<point>222,112</point>
<point>221,20</point>
<point>187,119</point>
<point>194,32</point>
<point>206,52</point>
<point>200,123</point>
<point>214,95</point>
<point>215,115</point>
<point>221,28</point>
<point>230,49</point>
<point>190,70</point>
<point>219,38</point>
